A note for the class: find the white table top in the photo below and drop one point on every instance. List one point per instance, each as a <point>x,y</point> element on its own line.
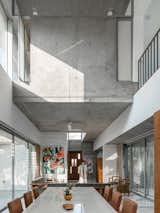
<point>85,200</point>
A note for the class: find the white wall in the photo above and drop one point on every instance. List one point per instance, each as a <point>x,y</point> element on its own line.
<point>138,33</point>
<point>10,114</point>
<point>151,21</point>
<point>145,103</point>
<point>110,159</point>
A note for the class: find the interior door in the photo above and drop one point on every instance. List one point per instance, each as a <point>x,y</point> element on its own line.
<point>74,160</point>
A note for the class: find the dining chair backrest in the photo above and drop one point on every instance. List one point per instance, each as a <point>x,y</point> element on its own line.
<point>129,206</point>
<point>108,193</point>
<point>116,178</point>
<point>115,202</point>
<point>28,198</point>
<point>124,186</point>
<point>36,193</point>
<point>15,206</point>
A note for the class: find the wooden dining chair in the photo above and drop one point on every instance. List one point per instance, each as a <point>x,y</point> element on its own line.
<point>108,193</point>
<point>36,193</point>
<point>129,206</point>
<point>15,206</point>
<point>115,202</point>
<point>28,198</point>
<point>123,186</point>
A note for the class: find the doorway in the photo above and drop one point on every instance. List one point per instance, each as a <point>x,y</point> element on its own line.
<point>74,160</point>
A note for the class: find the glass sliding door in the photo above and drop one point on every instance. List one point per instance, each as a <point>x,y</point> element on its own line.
<point>140,166</point>
<point>21,167</point>
<point>18,163</point>
<point>138,154</point>
<point>32,163</point>
<point>149,167</point>
<point>5,168</point>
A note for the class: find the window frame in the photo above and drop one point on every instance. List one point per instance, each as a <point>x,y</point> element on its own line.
<point>28,142</point>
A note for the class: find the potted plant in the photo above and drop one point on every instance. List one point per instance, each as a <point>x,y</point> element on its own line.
<point>68,192</point>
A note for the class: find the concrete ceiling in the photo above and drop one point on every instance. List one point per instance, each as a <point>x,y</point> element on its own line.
<point>142,130</point>
<point>91,118</point>
<point>71,7</point>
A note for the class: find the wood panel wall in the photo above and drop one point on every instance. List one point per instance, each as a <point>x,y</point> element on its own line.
<point>38,155</point>
<point>99,170</point>
<point>157,162</point>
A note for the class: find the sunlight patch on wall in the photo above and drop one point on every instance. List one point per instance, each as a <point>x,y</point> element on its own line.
<point>53,78</point>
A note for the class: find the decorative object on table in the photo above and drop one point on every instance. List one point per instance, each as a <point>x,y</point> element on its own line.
<point>53,160</point>
<point>82,171</point>
<point>68,192</point>
<point>68,206</point>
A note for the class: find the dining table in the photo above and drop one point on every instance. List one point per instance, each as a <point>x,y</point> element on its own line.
<point>84,200</point>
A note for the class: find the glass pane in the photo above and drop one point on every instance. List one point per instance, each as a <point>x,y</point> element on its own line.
<point>5,168</point>
<point>32,163</point>
<point>72,162</point>
<point>159,49</point>
<point>15,49</point>
<point>3,39</point>
<point>21,49</point>
<point>138,152</point>
<point>79,156</point>
<point>21,167</point>
<point>150,168</point>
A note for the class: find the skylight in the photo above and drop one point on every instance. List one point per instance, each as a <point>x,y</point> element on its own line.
<point>76,136</point>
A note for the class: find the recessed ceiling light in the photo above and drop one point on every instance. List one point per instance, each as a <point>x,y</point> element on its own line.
<point>109,12</point>
<point>35,12</point>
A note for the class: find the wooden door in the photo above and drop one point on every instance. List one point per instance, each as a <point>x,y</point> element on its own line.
<point>74,160</point>
<point>99,170</point>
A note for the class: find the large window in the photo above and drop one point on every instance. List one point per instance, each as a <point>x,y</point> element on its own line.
<point>5,168</point>
<point>18,163</point>
<point>21,59</point>
<point>21,167</point>
<point>138,154</point>
<point>139,169</point>
<point>3,39</point>
<point>149,168</point>
<point>23,52</point>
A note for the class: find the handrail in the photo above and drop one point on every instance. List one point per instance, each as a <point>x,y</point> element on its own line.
<point>149,61</point>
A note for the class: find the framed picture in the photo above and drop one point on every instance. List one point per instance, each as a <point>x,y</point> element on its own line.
<point>53,160</point>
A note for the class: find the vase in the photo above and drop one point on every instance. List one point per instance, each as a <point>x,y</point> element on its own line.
<point>68,197</point>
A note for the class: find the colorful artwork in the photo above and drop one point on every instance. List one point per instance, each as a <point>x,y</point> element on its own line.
<point>53,160</point>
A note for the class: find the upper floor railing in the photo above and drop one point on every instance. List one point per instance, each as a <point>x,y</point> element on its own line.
<point>149,62</point>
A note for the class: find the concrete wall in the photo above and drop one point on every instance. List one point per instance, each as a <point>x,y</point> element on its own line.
<point>76,57</point>
<point>10,114</point>
<point>145,102</point>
